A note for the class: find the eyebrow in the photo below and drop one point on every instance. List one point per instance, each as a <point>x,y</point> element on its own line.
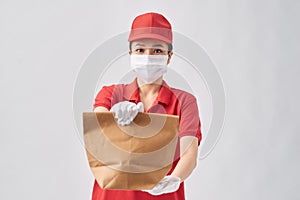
<point>155,45</point>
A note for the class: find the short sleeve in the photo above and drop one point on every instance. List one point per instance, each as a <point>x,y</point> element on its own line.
<point>189,122</point>
<point>104,97</point>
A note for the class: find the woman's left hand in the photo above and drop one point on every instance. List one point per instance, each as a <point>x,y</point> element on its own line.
<point>166,185</point>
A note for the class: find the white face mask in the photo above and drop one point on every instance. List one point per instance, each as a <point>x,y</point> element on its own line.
<point>149,68</point>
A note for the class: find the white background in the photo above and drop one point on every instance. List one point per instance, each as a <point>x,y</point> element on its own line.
<point>254,44</point>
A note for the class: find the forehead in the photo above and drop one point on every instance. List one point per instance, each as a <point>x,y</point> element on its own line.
<point>149,42</point>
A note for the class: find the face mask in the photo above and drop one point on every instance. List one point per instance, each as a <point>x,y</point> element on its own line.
<point>149,68</point>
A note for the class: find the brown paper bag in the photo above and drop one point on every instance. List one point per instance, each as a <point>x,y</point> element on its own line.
<point>132,157</point>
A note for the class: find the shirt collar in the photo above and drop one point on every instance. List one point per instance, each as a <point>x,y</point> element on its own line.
<point>131,93</point>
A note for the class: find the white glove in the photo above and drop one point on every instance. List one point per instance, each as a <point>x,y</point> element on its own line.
<point>166,185</point>
<point>126,111</point>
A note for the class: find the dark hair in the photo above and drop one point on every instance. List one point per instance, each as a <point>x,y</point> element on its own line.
<point>170,47</point>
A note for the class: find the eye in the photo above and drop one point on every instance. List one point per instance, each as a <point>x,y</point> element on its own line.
<point>139,50</point>
<point>158,51</point>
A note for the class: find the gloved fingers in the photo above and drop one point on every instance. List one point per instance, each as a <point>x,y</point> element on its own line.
<point>133,108</point>
<point>156,190</point>
<point>166,185</point>
<point>170,184</point>
<point>119,114</point>
<point>129,107</point>
<point>171,187</point>
<point>130,119</point>
<point>130,110</point>
<point>127,117</point>
<point>151,192</point>
<point>166,189</point>
<point>133,112</point>
<point>124,122</point>
<point>121,123</point>
<point>127,122</point>
<point>140,107</point>
<point>126,111</point>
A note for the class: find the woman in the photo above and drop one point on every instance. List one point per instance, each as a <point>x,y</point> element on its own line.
<point>150,53</point>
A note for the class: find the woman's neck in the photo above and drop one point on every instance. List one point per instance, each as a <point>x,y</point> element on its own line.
<point>149,89</point>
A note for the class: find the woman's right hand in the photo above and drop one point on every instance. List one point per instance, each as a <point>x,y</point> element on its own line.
<point>126,111</point>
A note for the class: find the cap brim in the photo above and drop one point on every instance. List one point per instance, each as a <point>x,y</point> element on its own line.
<point>149,35</point>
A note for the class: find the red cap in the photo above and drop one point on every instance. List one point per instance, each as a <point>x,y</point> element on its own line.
<point>151,25</point>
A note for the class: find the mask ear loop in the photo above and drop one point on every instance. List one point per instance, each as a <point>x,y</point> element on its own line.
<point>168,57</point>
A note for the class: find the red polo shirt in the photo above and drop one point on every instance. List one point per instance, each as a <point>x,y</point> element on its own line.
<point>169,101</point>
